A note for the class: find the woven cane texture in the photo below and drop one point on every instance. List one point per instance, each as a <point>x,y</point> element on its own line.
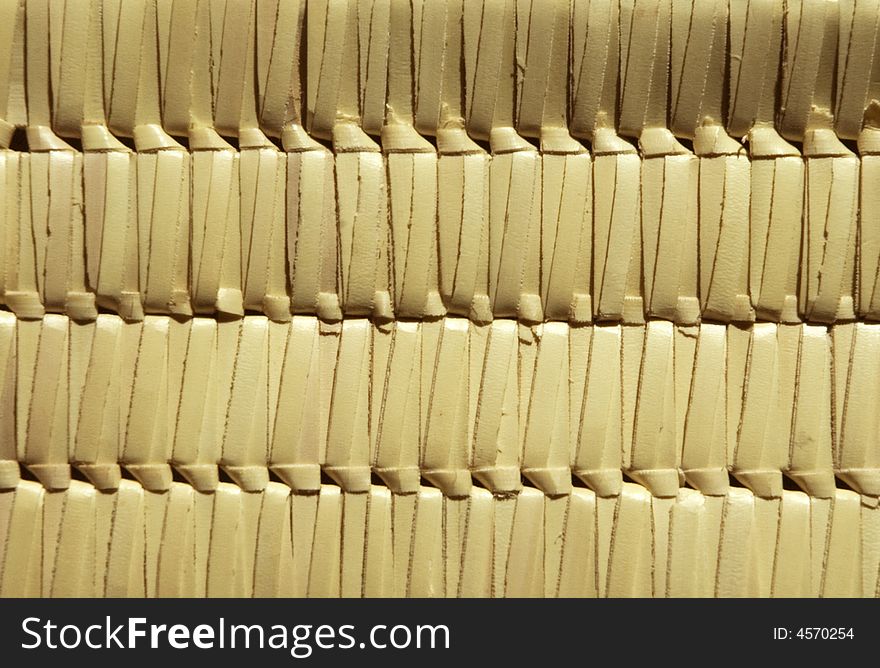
<point>439,297</point>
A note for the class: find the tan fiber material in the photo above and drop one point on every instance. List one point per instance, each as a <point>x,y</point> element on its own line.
<point>182,542</point>
<point>623,234</point>
<point>439,298</point>
<point>579,202</point>
<point>448,400</point>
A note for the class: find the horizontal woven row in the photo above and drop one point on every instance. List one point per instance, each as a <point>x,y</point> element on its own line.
<point>447,401</point>
<point>478,64</point>
<point>81,542</point>
<point>558,234</point>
